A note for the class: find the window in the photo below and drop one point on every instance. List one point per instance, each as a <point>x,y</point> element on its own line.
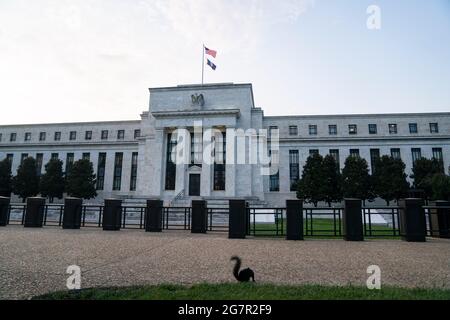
<point>392,128</point>
<point>312,129</point>
<point>39,157</point>
<point>42,136</point>
<point>120,134</point>
<point>413,128</point>
<point>313,152</point>
<point>437,154</point>
<point>219,161</point>
<point>69,162</point>
<point>13,136</point>
<point>23,156</point>
<point>395,153</point>
<point>335,154</point>
<point>104,134</point>
<point>1,136</point>
<point>332,129</point>
<point>170,163</point>
<point>275,182</point>
<point>293,130</point>
<point>416,154</point>
<point>354,152</point>
<point>57,136</point>
<point>10,158</point>
<point>137,133</point>
<point>352,129</point>
<point>101,170</point>
<point>374,156</point>
<point>272,131</point>
<point>373,128</point>
<point>27,136</point>
<point>117,171</point>
<point>196,148</point>
<point>434,128</point>
<point>73,135</point>
<point>55,156</point>
<point>294,171</point>
<point>88,135</point>
<point>86,156</point>
<point>134,166</point>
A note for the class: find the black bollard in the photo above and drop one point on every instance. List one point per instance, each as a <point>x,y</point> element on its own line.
<point>412,220</point>
<point>72,213</point>
<point>112,214</point>
<point>153,216</point>
<point>34,214</point>
<point>440,220</point>
<point>352,220</point>
<point>199,216</point>
<point>4,211</point>
<point>237,223</point>
<point>294,219</point>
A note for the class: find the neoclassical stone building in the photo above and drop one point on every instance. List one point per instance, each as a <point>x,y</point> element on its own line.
<point>136,159</point>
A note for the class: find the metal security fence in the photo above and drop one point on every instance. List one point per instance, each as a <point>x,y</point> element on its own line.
<point>323,221</point>
<point>176,218</point>
<point>218,219</point>
<point>268,222</point>
<point>433,214</point>
<point>389,228</point>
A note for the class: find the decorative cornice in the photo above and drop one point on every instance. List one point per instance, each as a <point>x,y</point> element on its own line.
<point>195,113</point>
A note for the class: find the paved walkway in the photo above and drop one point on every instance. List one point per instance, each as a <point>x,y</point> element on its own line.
<point>34,261</point>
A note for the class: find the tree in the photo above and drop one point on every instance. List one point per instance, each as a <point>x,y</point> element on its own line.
<point>440,187</point>
<point>52,181</point>
<point>423,171</point>
<point>26,183</point>
<point>356,181</point>
<point>332,180</point>
<point>80,181</point>
<point>311,185</point>
<point>5,178</point>
<point>389,179</point>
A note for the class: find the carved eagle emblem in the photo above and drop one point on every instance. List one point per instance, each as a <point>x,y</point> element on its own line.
<point>198,100</point>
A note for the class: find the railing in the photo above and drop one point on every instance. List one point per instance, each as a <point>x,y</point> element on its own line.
<point>16,213</point>
<point>432,217</point>
<point>133,217</point>
<point>177,197</point>
<point>176,218</point>
<point>53,214</point>
<point>391,228</point>
<point>322,222</point>
<point>266,222</point>
<point>218,219</point>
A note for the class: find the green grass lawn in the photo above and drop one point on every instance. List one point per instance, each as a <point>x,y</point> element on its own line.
<point>321,228</point>
<point>248,291</point>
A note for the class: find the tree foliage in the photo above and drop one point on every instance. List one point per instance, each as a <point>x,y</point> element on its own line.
<point>423,171</point>
<point>440,187</point>
<point>389,179</point>
<point>52,181</point>
<point>80,181</point>
<point>310,187</point>
<point>356,181</point>
<point>26,183</point>
<point>332,188</point>
<point>5,178</point>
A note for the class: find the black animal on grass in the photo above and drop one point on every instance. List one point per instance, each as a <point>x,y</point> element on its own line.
<point>245,274</point>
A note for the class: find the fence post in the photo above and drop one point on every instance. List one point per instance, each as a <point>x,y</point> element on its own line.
<point>294,219</point>
<point>34,215</point>
<point>412,220</point>
<point>153,219</point>
<point>112,214</point>
<point>72,213</point>
<point>440,220</point>
<point>4,208</point>
<point>352,220</point>
<point>237,223</point>
<point>199,216</point>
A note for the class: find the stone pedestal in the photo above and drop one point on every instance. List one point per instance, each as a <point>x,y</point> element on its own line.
<point>294,219</point>
<point>237,219</point>
<point>352,220</point>
<point>4,211</point>
<point>34,214</point>
<point>112,215</point>
<point>412,220</point>
<point>440,220</point>
<point>153,217</point>
<point>72,213</point>
<point>199,216</point>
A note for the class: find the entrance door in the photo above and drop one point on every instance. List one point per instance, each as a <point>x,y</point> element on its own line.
<point>194,184</point>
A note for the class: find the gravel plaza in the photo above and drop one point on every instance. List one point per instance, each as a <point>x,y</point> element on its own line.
<point>34,261</point>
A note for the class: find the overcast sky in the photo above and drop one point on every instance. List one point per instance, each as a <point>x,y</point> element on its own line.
<point>89,60</point>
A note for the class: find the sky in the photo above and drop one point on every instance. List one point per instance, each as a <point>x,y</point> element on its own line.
<point>94,60</point>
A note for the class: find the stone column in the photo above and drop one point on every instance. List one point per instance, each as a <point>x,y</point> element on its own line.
<point>207,166</point>
<point>156,158</point>
<point>230,165</point>
<point>181,160</point>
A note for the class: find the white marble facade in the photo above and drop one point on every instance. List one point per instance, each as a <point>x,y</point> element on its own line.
<point>225,107</point>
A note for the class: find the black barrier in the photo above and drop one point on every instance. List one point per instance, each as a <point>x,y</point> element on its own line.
<point>352,220</point>
<point>72,213</point>
<point>237,223</point>
<point>294,220</point>
<point>34,213</point>
<point>4,210</point>
<point>112,214</point>
<point>440,220</point>
<point>153,216</point>
<point>412,220</point>
<point>199,217</point>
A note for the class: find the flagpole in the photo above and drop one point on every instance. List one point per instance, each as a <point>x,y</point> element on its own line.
<point>203,62</point>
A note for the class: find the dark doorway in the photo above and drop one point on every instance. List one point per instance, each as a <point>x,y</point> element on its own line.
<point>194,184</point>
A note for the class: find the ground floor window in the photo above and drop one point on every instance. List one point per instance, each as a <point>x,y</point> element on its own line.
<point>118,171</point>
<point>101,170</point>
<point>134,164</point>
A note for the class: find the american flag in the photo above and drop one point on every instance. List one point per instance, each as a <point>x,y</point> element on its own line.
<point>210,52</point>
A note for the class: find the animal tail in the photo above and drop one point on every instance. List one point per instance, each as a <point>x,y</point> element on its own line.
<point>237,266</point>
